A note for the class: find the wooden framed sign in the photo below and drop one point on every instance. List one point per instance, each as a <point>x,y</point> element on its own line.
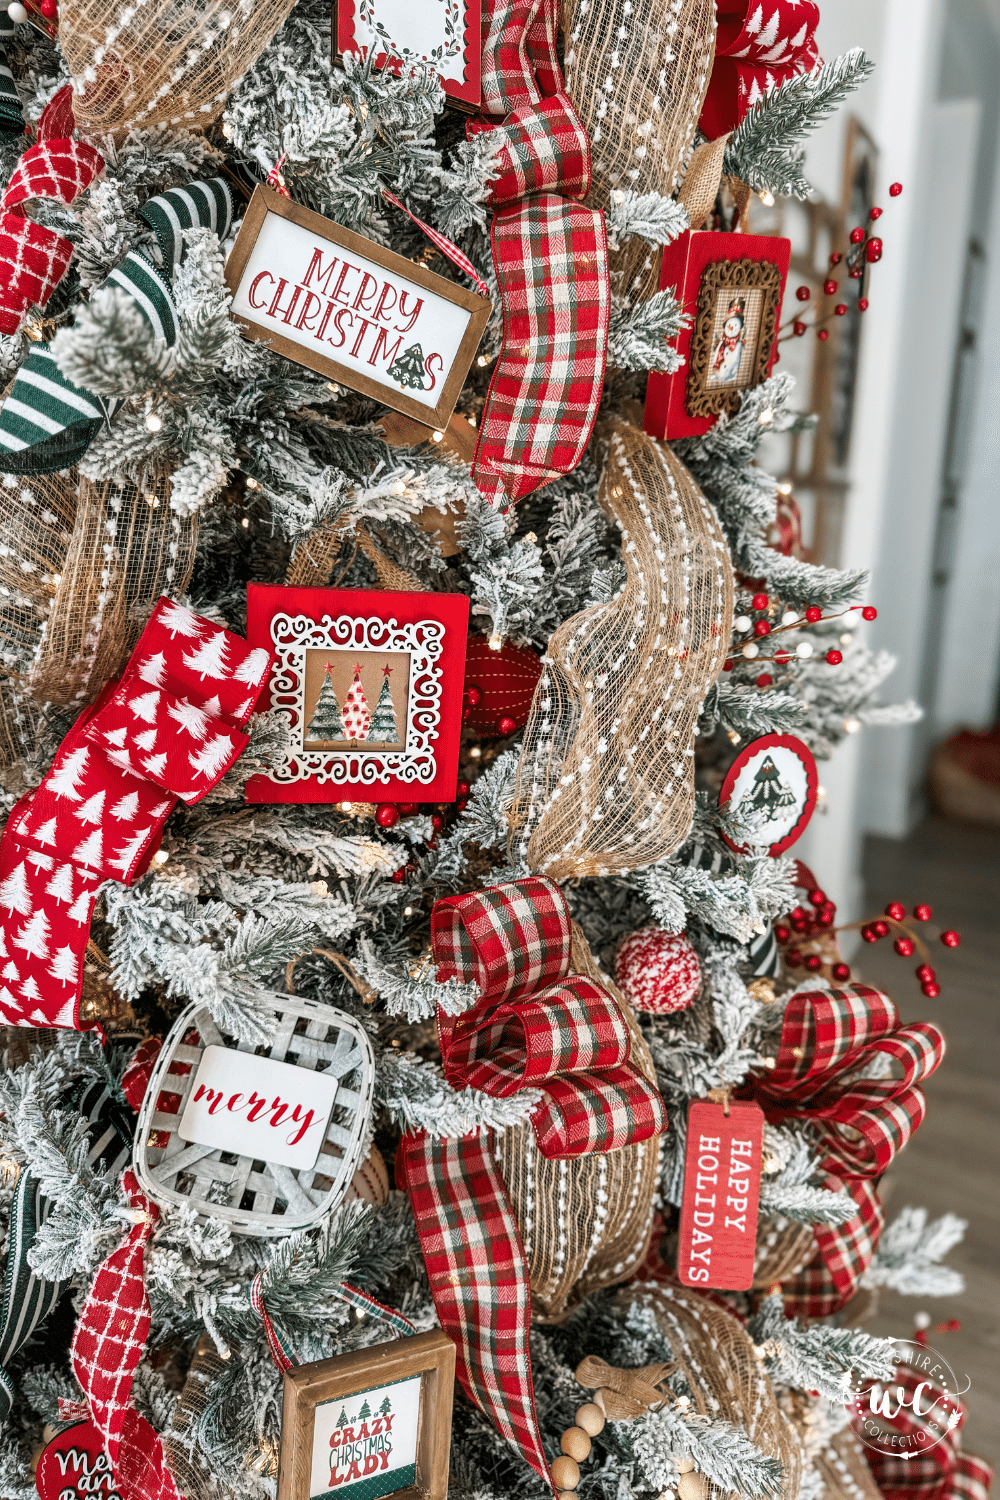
<point>365,317</point>
<point>374,1423</point>
<point>445,33</point>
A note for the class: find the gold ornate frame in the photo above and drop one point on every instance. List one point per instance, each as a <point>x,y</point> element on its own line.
<point>721,276</point>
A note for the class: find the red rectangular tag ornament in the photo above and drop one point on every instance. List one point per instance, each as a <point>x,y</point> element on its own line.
<point>718,1233</point>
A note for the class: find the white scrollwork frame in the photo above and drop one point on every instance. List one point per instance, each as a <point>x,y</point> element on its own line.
<point>422,641</point>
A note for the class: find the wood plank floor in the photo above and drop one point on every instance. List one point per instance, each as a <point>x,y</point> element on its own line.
<point>953,1162</point>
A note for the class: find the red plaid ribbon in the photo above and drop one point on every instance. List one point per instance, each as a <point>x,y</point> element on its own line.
<point>550,257</point>
<point>921,1423</point>
<point>828,1039</point>
<point>107,1346</point>
<point>170,728</point>
<point>535,1026</point>
<point>33,259</point>
<point>757,46</point>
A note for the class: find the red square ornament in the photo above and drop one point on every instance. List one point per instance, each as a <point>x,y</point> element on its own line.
<point>371,684</point>
<point>731,286</point>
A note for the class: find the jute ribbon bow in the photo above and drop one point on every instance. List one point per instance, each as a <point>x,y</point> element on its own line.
<point>169,729</point>
<point>829,1040</point>
<point>535,1026</point>
<point>624,1394</point>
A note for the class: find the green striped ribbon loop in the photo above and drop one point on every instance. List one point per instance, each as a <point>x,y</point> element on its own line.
<point>204,205</point>
<point>11,113</point>
<point>151,290</point>
<point>27,1298</point>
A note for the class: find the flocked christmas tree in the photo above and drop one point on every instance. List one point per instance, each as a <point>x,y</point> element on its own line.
<point>326,722</point>
<point>183,459</point>
<point>384,728</point>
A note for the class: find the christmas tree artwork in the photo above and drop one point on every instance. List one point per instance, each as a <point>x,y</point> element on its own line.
<point>408,368</point>
<point>357,715</point>
<point>326,722</point>
<point>365,1411</point>
<point>384,729</point>
<point>769,793</point>
<point>385,1408</point>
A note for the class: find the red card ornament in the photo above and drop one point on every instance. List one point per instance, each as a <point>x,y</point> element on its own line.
<point>74,1466</point>
<point>731,286</point>
<point>407,36</point>
<point>718,1232</point>
<point>371,685</point>
<point>771,787</point>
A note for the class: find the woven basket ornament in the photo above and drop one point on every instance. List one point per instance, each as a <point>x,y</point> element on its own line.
<point>605,783</point>
<point>257,1197</point>
<point>160,62</point>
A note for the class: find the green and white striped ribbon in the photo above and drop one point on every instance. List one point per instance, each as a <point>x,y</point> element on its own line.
<point>11,113</point>
<point>47,423</point>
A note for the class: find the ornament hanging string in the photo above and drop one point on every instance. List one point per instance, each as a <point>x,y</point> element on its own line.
<point>364,1304</point>
<point>443,243</point>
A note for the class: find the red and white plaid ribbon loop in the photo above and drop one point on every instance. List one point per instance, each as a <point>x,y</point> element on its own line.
<point>536,1025</point>
<point>828,1041</point>
<point>918,1455</point>
<point>33,258</point>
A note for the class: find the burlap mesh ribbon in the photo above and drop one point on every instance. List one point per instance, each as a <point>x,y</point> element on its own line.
<point>155,63</point>
<point>724,1376</point>
<point>605,782</point>
<point>637,75</point>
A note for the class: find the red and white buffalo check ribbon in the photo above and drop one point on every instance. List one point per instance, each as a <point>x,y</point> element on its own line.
<point>107,1346</point>
<point>921,1458</point>
<point>829,1039</point>
<point>170,728</point>
<point>535,1025</point>
<point>550,256</point>
<point>33,258</point>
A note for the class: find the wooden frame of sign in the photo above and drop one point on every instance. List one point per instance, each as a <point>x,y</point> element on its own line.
<point>350,297</point>
<point>389,1409</point>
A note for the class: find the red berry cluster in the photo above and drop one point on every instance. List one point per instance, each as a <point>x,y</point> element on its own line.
<point>473,697</point>
<point>762,605</point>
<point>805,924</point>
<point>907,940</point>
<point>866,250</point>
<point>388,814</point>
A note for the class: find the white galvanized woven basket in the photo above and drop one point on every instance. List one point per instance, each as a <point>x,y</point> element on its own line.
<point>254,1196</point>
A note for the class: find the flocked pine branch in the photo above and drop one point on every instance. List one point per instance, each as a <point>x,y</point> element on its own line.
<point>908,1258</point>
<point>649,216</point>
<point>818,1356</point>
<point>640,334</point>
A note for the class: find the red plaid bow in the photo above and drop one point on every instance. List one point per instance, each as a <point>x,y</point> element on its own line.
<point>828,1040</point>
<point>33,259</point>
<point>758,45</point>
<point>170,728</point>
<point>536,1025</point>
<point>550,256</point>
<point>921,1423</point>
<point>107,1346</point>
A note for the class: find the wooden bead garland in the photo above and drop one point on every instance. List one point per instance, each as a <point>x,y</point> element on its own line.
<point>591,1418</point>
<point>575,1444</point>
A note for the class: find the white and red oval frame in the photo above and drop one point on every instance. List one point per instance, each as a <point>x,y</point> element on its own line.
<point>770,743</point>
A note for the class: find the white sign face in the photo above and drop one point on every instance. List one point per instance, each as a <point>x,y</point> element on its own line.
<point>342,306</point>
<point>769,795</point>
<point>255,1106</point>
<point>416,33</point>
<point>365,1445</point>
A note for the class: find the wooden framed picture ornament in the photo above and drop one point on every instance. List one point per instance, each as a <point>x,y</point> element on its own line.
<point>371,684</point>
<point>731,286</point>
<point>369,1424</point>
<point>369,319</point>
<point>447,35</point>
<point>771,786</point>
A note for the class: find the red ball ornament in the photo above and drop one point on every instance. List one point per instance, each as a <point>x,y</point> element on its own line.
<point>873,250</point>
<point>506,725</point>
<point>799,328</point>
<point>950,938</point>
<point>764,680</point>
<point>797,912</point>
<point>462,790</point>
<point>823,335</point>
<point>869,612</point>
<point>874,213</point>
<point>761,627</point>
<point>925,973</point>
<point>880,928</point>
<point>904,947</point>
<point>49,9</point>
<point>931,989</point>
<point>896,910</point>
<point>782,656</point>
<point>782,933</point>
<point>895,188</point>
<point>813,962</point>
<point>506,682</point>
<point>437,822</point>
<point>862,304</point>
<point>407,809</point>
<point>657,971</point>
<point>473,694</point>
<point>857,235</point>
<point>840,309</point>
<point>841,972</point>
<point>830,286</point>
<point>834,657</point>
<point>827,916</point>
<point>760,601</point>
<point>922,913</point>
<point>803,293</point>
<point>387,815</point>
<point>868,935</point>
<point>462,804</point>
<point>814,613</point>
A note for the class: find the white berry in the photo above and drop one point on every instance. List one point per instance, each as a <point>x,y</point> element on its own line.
<point>751,650</point>
<point>803,649</point>
<point>17,12</point>
<point>742,622</point>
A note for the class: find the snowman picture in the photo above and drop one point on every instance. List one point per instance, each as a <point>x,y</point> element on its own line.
<point>728,351</point>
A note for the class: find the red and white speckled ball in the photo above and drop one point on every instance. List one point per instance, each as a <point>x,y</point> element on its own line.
<point>657,971</point>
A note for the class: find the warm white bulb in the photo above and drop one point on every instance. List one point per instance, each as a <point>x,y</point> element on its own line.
<point>851,726</point>
<point>767,199</point>
<point>846,638</point>
<point>153,422</point>
<point>245,523</point>
<point>160,857</point>
<point>495,641</point>
<point>766,417</point>
<point>437,437</point>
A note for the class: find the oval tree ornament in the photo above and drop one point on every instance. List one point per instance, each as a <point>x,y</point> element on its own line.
<point>770,791</point>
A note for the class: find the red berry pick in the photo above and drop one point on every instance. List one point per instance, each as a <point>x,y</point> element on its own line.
<point>904,947</point>
<point>814,613</point>
<point>799,328</point>
<point>764,680</point>
<point>760,601</point>
<point>823,335</point>
<point>387,815</point>
<point>834,657</point>
<point>857,235</point>
<point>895,188</point>
<point>896,910</point>
<point>869,612</point>
<point>862,304</point>
<point>922,913</point>
<point>873,251</point>
<point>802,293</point>
<point>830,286</point>
<point>874,213</point>
<point>841,972</point>
<point>950,938</point>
